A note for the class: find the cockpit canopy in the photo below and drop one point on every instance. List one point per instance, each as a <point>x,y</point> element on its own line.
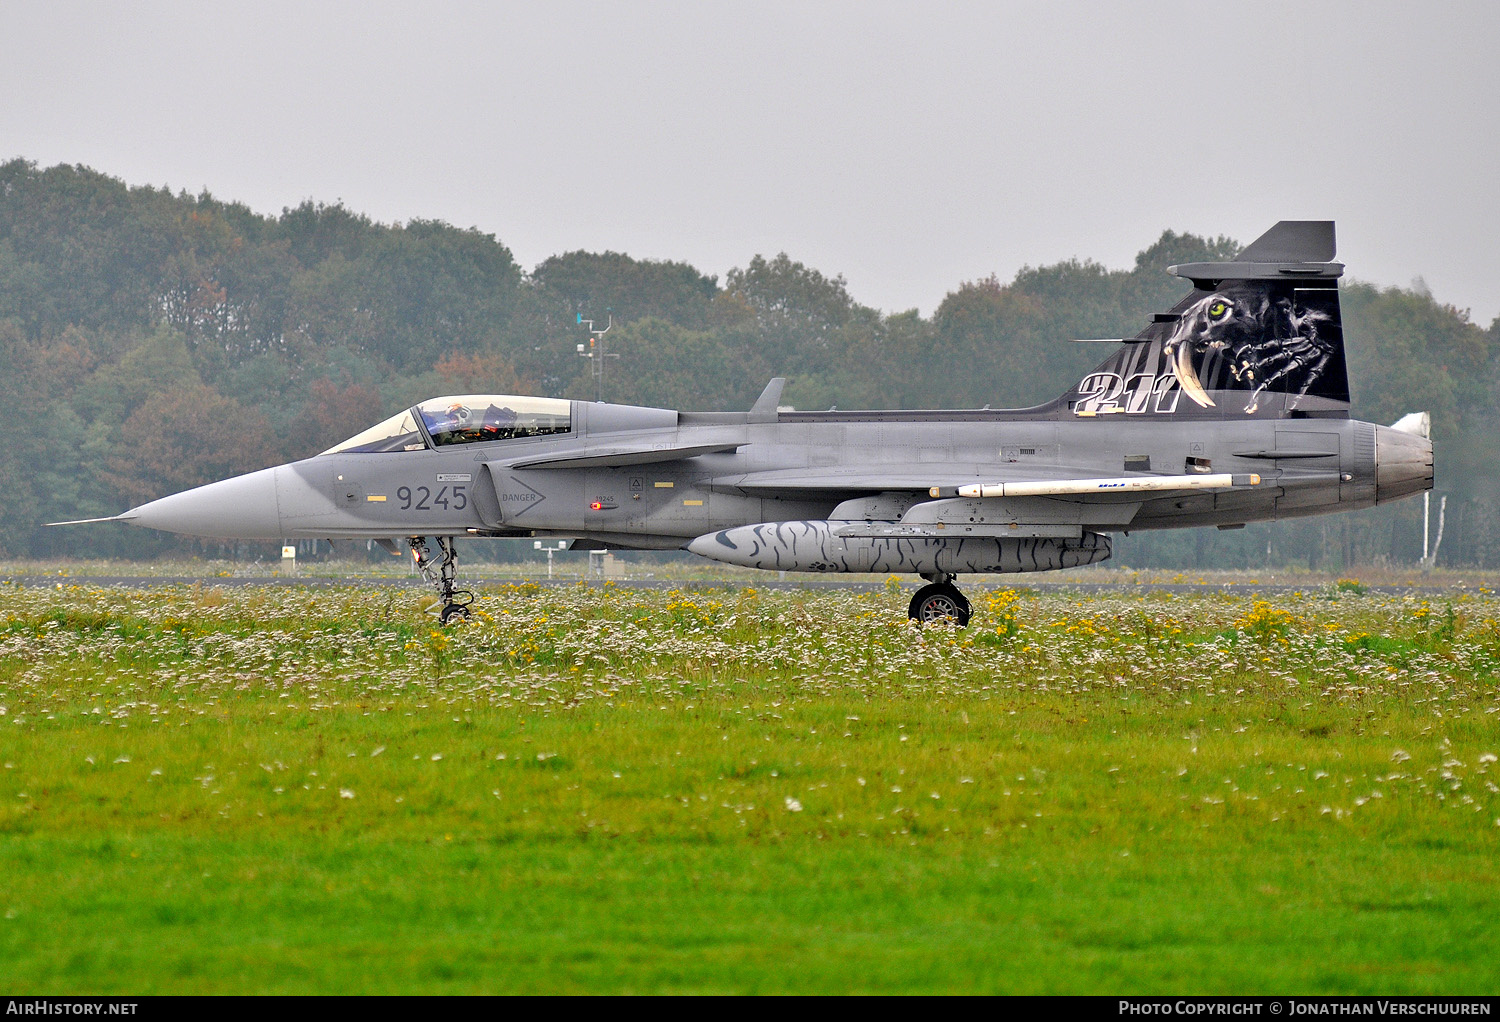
<point>398,433</point>
<point>463,419</point>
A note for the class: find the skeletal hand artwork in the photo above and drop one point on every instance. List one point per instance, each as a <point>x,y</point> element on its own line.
<point>1248,338</point>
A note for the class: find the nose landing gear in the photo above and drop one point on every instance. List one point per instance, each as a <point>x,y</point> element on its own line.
<point>454,601</point>
<point>939,601</point>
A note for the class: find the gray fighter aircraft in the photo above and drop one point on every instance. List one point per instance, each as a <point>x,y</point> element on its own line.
<point>1232,407</point>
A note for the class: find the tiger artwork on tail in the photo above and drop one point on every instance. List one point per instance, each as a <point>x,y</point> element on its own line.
<point>1244,338</point>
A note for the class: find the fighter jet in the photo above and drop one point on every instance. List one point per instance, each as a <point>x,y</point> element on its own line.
<point>1231,407</point>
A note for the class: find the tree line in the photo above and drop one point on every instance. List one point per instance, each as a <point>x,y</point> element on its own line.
<point>155,340</point>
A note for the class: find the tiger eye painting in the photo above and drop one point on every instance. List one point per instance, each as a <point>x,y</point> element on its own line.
<point>1272,337</point>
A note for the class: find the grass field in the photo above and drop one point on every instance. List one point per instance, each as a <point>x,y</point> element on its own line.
<point>288,790</point>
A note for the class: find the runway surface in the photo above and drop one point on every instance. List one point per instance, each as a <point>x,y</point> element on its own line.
<point>815,583</point>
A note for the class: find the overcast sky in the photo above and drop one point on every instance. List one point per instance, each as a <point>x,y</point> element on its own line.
<point>907,146</point>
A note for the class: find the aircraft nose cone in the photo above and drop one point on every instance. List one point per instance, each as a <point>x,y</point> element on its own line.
<point>244,507</point>
<point>1403,464</point>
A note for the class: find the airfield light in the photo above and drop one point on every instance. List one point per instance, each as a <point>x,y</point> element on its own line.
<point>595,350</point>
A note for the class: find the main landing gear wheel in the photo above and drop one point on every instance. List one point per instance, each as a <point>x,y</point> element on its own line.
<point>454,601</point>
<point>939,602</point>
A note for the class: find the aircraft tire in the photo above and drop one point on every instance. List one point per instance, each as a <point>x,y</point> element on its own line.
<point>939,602</point>
<point>454,613</point>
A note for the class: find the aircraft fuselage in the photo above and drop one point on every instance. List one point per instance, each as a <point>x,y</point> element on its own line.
<point>805,466</point>
<point>1232,407</point>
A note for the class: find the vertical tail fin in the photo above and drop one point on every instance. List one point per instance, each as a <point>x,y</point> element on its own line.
<point>1259,336</point>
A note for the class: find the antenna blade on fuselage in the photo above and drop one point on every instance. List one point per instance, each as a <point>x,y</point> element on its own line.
<point>764,409</point>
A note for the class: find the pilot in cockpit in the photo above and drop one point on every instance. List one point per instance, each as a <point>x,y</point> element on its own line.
<point>454,418</point>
